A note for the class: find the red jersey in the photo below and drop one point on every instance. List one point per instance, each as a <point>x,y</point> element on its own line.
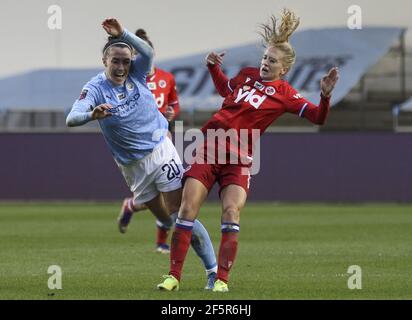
<point>252,103</point>
<point>163,87</point>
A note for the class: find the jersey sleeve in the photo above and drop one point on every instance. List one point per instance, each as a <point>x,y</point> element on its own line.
<point>173,98</point>
<point>297,104</point>
<point>81,112</point>
<point>142,64</point>
<point>223,85</point>
<point>220,80</point>
<point>238,79</point>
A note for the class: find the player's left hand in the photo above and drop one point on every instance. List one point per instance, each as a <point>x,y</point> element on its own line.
<point>328,82</point>
<point>112,27</point>
<point>170,113</point>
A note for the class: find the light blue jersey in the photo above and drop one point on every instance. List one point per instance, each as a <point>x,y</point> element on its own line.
<point>136,126</point>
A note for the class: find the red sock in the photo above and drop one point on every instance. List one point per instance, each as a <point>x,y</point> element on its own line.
<point>227,254</point>
<point>179,245</point>
<point>162,234</point>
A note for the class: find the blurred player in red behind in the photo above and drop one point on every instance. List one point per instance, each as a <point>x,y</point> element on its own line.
<point>253,100</point>
<point>163,86</point>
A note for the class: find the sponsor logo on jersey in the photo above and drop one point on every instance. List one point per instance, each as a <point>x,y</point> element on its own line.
<point>151,85</point>
<point>121,96</point>
<point>160,100</point>
<point>254,100</point>
<point>162,84</point>
<point>245,88</point>
<point>124,108</point>
<point>270,91</point>
<point>83,94</point>
<point>258,85</point>
<point>129,86</point>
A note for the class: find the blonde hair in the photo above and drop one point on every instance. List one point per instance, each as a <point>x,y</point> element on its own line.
<point>279,37</point>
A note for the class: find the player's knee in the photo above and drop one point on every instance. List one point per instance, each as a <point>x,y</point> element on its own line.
<point>188,211</point>
<point>231,213</point>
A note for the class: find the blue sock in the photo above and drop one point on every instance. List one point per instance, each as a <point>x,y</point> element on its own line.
<point>202,244</point>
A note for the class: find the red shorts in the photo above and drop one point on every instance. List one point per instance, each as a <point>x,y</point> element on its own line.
<point>224,174</point>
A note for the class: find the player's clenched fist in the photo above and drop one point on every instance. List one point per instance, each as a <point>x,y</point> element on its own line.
<point>170,113</point>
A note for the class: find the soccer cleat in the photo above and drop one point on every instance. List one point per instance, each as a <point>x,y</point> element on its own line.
<point>220,286</point>
<point>124,217</point>
<point>210,281</point>
<point>169,284</point>
<point>163,248</point>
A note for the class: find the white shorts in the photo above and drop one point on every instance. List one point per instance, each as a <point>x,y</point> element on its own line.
<point>159,171</point>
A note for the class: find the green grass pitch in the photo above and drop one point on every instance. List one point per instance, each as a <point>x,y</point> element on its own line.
<point>285,252</point>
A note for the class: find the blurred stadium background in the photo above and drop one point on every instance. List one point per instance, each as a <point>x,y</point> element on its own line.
<point>362,154</point>
<point>365,142</point>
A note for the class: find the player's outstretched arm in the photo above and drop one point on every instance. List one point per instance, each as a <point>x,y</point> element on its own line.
<point>214,61</point>
<point>316,114</point>
<point>144,61</point>
<point>79,115</point>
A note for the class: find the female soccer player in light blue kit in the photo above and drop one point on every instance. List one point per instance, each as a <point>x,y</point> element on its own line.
<point>136,132</point>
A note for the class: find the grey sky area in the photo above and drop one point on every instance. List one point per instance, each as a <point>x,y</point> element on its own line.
<point>176,27</point>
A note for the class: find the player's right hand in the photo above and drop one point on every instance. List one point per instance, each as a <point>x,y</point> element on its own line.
<point>100,112</point>
<point>170,113</point>
<point>215,58</point>
<point>112,27</point>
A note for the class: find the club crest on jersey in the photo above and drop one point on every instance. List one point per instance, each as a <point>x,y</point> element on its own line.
<point>129,86</point>
<point>162,84</point>
<point>151,85</point>
<point>83,94</point>
<point>259,86</point>
<point>270,91</point>
<point>254,100</point>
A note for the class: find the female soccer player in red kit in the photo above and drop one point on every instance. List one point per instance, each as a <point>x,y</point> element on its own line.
<point>253,100</point>
<point>163,87</point>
